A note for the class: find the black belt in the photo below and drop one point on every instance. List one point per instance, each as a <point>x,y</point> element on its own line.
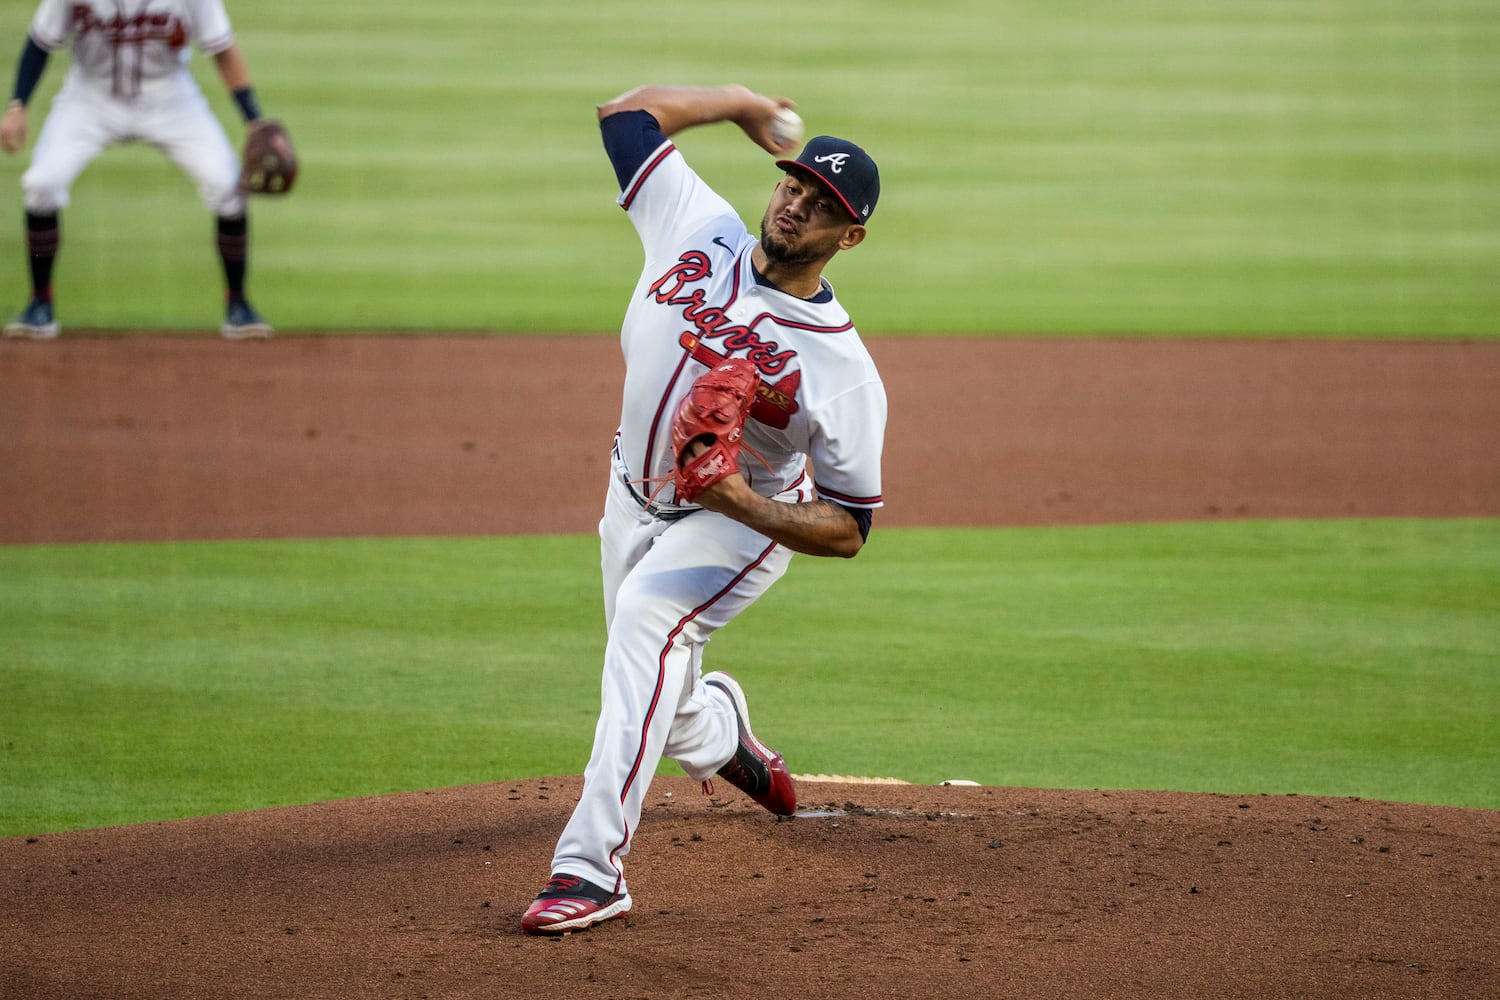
<point>653,508</point>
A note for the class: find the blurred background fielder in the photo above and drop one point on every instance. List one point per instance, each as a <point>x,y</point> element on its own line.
<point>129,82</point>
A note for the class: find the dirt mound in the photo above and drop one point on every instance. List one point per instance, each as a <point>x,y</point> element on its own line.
<point>871,890</point>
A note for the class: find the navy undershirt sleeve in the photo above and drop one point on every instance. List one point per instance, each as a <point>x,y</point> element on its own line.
<point>865,516</point>
<point>630,137</point>
<point>29,69</point>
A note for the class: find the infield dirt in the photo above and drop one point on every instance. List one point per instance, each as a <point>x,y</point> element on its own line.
<point>875,890</point>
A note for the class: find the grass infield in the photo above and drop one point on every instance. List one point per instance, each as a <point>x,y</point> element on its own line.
<point>145,682</point>
<point>1163,167</point>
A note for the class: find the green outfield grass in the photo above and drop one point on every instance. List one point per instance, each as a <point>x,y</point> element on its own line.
<point>143,682</point>
<point>1165,167</point>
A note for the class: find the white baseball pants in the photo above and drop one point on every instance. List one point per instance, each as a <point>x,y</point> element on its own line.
<point>668,586</point>
<point>83,122</point>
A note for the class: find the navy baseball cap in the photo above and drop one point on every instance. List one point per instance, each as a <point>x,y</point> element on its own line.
<point>846,169</point>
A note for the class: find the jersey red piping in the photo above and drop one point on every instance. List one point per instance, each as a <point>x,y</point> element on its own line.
<point>645,171</point>
<point>845,498</point>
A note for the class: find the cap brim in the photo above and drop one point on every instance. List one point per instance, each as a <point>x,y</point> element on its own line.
<point>789,165</point>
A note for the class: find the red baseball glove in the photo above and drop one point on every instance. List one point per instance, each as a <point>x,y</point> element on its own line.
<point>713,412</point>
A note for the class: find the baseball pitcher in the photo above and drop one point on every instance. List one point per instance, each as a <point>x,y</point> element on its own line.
<point>751,427</point>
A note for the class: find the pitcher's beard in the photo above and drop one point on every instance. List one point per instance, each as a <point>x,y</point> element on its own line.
<point>779,253</point>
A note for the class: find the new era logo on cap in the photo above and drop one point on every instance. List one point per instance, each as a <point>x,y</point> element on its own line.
<point>846,169</point>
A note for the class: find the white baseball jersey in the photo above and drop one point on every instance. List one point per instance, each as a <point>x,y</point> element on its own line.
<point>698,300</point>
<point>131,49</point>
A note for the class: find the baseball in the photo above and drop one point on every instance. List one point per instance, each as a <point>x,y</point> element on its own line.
<point>786,128</point>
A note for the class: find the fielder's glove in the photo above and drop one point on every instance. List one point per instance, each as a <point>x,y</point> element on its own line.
<point>269,164</point>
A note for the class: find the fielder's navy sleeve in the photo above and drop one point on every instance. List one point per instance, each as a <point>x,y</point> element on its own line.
<point>629,138</point>
<point>29,70</point>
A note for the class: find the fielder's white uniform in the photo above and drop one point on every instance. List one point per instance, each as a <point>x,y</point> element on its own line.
<point>673,575</point>
<point>128,81</point>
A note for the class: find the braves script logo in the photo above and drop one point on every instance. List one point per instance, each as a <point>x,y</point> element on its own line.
<point>710,321</point>
<point>774,404</point>
<point>140,27</point>
<point>835,161</point>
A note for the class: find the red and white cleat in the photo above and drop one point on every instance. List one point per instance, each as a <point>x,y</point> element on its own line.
<point>571,904</point>
<point>755,768</point>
